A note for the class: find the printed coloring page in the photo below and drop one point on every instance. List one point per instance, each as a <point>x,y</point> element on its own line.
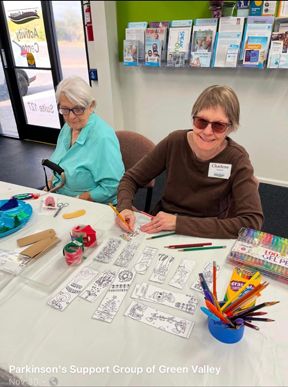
<point>208,275</point>
<point>160,320</point>
<point>102,283</point>
<point>127,254</point>
<point>182,273</point>
<point>145,260</point>
<point>108,308</point>
<point>71,291</point>
<point>161,268</point>
<point>185,302</point>
<point>109,250</point>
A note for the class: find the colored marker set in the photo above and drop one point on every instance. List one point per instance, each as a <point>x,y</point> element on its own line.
<point>264,252</point>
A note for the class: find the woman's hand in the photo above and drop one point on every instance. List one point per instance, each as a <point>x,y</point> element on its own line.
<point>129,216</point>
<point>161,222</point>
<point>49,185</point>
<point>86,196</point>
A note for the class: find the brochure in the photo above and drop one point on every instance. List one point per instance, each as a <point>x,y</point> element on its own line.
<point>200,59</point>
<point>269,8</point>
<point>227,46</point>
<point>255,51</point>
<point>159,24</point>
<point>202,41</point>
<point>283,64</point>
<point>176,59</point>
<point>158,33</point>
<point>281,24</point>
<point>153,52</point>
<point>243,8</point>
<point>137,34</point>
<point>179,41</point>
<point>231,24</point>
<point>257,26</point>
<point>130,54</point>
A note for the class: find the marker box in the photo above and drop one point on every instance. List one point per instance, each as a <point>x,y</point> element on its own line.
<point>261,251</point>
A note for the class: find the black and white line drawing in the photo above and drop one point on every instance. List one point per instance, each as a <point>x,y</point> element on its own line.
<point>161,268</point>
<point>95,289</point>
<point>160,320</point>
<point>208,275</point>
<point>145,260</point>
<point>109,250</point>
<point>127,254</point>
<point>182,273</point>
<point>61,300</point>
<point>110,305</point>
<point>146,292</point>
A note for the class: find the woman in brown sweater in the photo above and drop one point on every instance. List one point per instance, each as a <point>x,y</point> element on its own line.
<point>206,172</point>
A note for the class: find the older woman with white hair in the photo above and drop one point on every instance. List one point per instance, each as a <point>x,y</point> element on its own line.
<point>87,147</point>
<point>206,174</point>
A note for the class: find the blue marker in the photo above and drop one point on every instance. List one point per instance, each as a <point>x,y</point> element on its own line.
<point>209,314</point>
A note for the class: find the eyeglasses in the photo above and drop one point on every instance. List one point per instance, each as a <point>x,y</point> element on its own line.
<point>218,127</point>
<point>78,111</point>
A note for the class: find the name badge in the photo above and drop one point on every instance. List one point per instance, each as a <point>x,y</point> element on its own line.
<point>220,171</point>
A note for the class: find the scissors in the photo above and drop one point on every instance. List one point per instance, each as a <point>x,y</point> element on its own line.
<point>60,205</point>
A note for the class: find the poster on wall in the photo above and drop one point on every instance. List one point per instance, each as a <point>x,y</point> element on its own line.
<point>27,33</point>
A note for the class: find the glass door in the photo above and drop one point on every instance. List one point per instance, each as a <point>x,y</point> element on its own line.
<point>28,41</point>
<point>8,125</point>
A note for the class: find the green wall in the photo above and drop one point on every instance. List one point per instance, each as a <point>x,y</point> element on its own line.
<point>133,11</point>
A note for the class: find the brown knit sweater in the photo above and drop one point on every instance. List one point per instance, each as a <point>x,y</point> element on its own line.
<point>201,202</point>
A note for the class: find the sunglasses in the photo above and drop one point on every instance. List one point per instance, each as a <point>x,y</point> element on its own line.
<point>218,127</point>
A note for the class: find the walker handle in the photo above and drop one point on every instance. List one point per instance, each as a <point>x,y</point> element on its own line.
<point>53,166</point>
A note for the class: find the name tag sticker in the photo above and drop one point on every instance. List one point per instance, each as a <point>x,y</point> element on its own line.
<point>220,171</point>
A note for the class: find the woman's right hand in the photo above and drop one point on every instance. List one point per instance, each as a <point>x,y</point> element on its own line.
<point>129,216</point>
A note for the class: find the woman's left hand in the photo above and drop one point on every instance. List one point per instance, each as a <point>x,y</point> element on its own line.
<point>161,222</point>
<point>86,196</point>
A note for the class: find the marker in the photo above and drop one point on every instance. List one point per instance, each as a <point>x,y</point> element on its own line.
<point>209,314</point>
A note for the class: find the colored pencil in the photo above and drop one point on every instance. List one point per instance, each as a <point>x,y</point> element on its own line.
<point>256,307</point>
<point>185,246</point>
<point>251,326</point>
<point>256,314</point>
<point>120,216</point>
<point>214,278</point>
<point>161,236</point>
<point>204,248</point>
<point>246,296</point>
<point>240,291</point>
<point>241,307</point>
<point>257,319</point>
<point>145,213</point>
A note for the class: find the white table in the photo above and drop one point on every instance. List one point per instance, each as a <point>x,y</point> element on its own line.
<point>33,333</point>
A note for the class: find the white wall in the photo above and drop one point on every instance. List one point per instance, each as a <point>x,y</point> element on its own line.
<point>159,101</point>
<point>155,102</point>
<point>103,55</point>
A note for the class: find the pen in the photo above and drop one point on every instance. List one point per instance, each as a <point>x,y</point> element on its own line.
<point>120,216</point>
<point>204,248</point>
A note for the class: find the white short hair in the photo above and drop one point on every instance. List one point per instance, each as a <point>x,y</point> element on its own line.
<point>77,91</point>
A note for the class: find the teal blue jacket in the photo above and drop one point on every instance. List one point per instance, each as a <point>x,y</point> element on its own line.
<point>94,162</point>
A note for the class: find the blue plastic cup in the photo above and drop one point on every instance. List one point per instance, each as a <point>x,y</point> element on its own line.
<point>224,332</point>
